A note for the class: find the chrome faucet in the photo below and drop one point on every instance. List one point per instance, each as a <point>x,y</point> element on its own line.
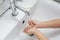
<point>14,12</point>
<point>13,6</point>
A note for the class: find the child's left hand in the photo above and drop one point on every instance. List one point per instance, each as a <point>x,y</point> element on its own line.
<point>30,30</point>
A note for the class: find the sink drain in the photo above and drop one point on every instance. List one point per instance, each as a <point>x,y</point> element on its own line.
<point>23,21</point>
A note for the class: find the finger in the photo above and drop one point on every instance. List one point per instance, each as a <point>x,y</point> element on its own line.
<point>26,31</point>
<point>32,22</point>
<point>26,28</point>
<point>29,27</point>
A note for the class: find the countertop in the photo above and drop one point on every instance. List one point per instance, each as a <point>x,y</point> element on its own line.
<point>8,23</point>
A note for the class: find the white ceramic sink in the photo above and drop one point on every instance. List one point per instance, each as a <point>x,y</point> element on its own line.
<point>11,26</point>
<point>44,11</point>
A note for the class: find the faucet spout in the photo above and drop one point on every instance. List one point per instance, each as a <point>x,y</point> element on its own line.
<point>14,12</point>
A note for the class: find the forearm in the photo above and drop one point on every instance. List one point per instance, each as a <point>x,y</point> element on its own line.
<point>40,36</point>
<point>50,24</point>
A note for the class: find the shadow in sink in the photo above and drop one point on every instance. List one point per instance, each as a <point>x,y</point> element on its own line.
<point>57,1</point>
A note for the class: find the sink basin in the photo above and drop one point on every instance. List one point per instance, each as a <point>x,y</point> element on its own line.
<point>11,26</point>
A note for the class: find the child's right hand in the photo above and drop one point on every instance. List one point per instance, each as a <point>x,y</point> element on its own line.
<point>34,23</point>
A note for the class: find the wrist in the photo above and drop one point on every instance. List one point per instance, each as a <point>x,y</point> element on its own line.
<point>36,32</point>
<point>41,25</point>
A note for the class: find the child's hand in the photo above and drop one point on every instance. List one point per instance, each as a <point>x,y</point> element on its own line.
<point>30,30</point>
<point>34,23</point>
